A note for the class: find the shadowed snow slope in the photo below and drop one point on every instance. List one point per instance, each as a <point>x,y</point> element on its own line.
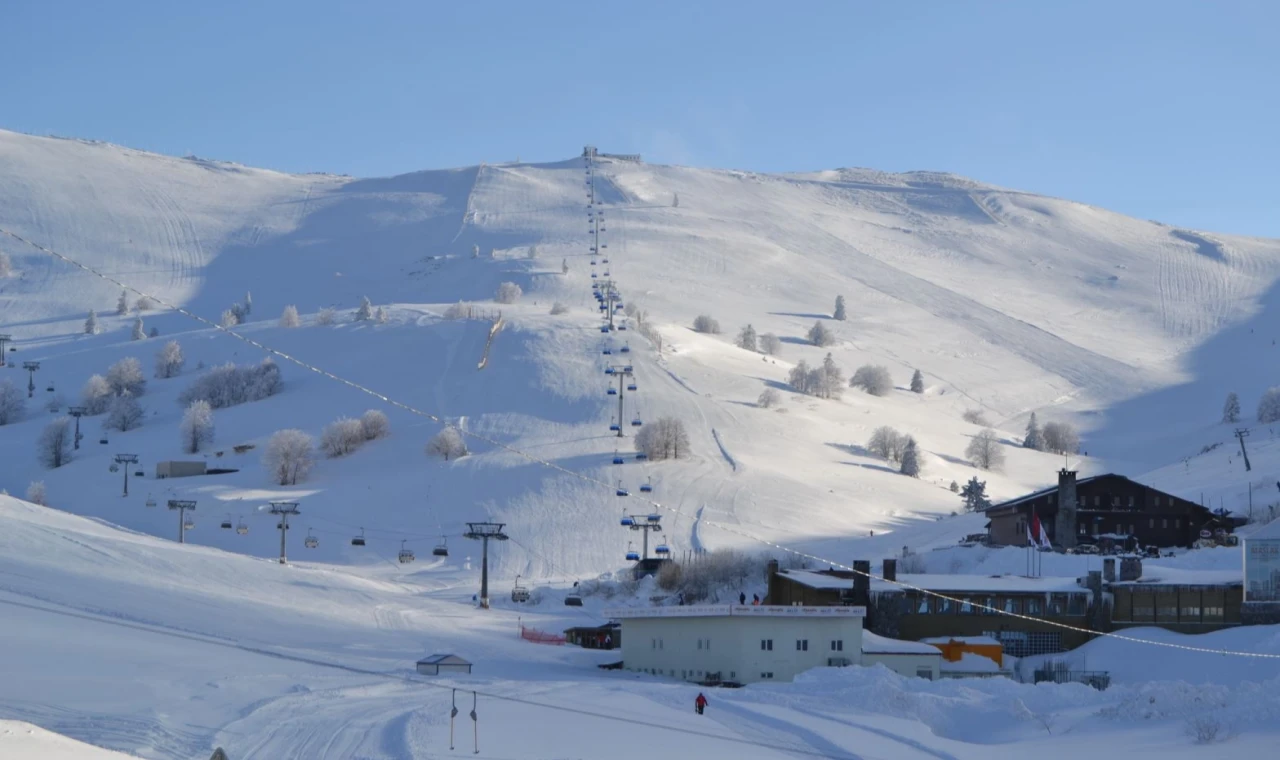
<point>1008,302</point>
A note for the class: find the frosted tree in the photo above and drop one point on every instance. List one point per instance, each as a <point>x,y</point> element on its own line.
<point>13,404</point>
<point>706,324</point>
<point>325,316</point>
<point>558,308</point>
<point>289,456</point>
<point>829,382</point>
<point>365,312</point>
<point>531,252</point>
<point>380,316</point>
<point>91,324</point>
<point>665,438</point>
<point>144,303</point>
<point>975,417</point>
<point>475,251</point>
<point>769,398</point>
<point>53,447</point>
<point>873,379</point>
<point>374,424</point>
<point>564,266</point>
<point>122,304</point>
<point>36,493</point>
<point>96,395</point>
<point>169,360</point>
<point>984,450</point>
<point>1231,409</point>
<point>196,428</point>
<point>910,464</point>
<point>125,376</point>
<point>508,292</point>
<point>139,332</point>
<point>770,344</point>
<point>747,338</point>
<point>124,414</point>
<point>955,487</point>
<point>289,317</point>
<point>917,382</point>
<point>6,265</point>
<point>1033,439</point>
<point>1060,438</point>
<point>974,495</point>
<point>839,312</point>
<point>800,377</point>
<point>820,336</point>
<point>341,437</point>
<point>229,318</point>
<point>887,443</point>
<point>447,444</point>
<point>248,303</point>
<point>675,200</point>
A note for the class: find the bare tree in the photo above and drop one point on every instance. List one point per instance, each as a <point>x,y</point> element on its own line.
<point>96,395</point>
<point>341,437</point>
<point>91,326</point>
<point>820,336</point>
<point>375,425</point>
<point>13,404</point>
<point>839,312</point>
<point>169,360</point>
<point>53,447</point>
<point>801,377</point>
<point>125,376</point>
<point>984,450</point>
<point>289,456</point>
<point>917,382</point>
<point>36,493</point>
<point>325,316</point>
<point>747,338</point>
<point>705,324</point>
<point>975,416</point>
<point>665,438</point>
<point>365,312</point>
<point>558,308</point>
<point>508,292</point>
<point>769,398</point>
<point>447,444</point>
<point>770,344</point>
<point>887,443</point>
<point>124,414</point>
<point>873,379</point>
<point>289,317</point>
<point>197,426</point>
<point>1060,438</point>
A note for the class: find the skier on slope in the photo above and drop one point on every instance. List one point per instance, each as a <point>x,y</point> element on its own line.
<point>700,703</point>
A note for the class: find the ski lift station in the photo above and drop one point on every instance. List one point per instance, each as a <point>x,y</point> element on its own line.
<point>738,644</point>
<point>444,664</point>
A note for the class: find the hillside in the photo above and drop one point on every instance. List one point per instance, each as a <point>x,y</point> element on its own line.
<point>1007,301</point>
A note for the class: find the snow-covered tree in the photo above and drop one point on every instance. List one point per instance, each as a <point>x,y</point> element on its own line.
<point>665,438</point>
<point>1033,439</point>
<point>365,312</point>
<point>229,385</point>
<point>91,324</point>
<point>13,404</point>
<point>475,251</point>
<point>374,424</point>
<point>747,338</point>
<point>558,308</point>
<point>887,443</point>
<point>6,265</point>
<point>144,303</point>
<point>229,318</point>
<point>955,487</point>
<point>124,414</point>
<point>564,266</point>
<point>122,304</point>
<point>975,417</point>
<point>800,377</point>
<point>380,316</point>
<point>248,303</point>
<point>1231,409</point>
<point>974,494</point>
<point>839,312</point>
<point>197,426</point>
<point>139,332</point>
<point>125,376</point>
<point>829,382</point>
<point>820,336</point>
<point>769,398</point>
<point>984,450</point>
<point>873,379</point>
<point>289,317</point>
<point>289,456</point>
<point>705,324</point>
<point>341,437</point>
<point>910,464</point>
<point>153,333</point>
<point>447,444</point>
<point>770,344</point>
<point>531,252</point>
<point>459,310</point>
<point>36,493</point>
<point>96,395</point>
<point>1060,438</point>
<point>917,382</point>
<point>508,292</point>
<point>325,316</point>
<point>53,447</point>
<point>675,200</point>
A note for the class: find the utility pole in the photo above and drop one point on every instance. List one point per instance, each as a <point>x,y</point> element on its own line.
<point>182,505</point>
<point>31,368</point>
<point>646,523</point>
<point>483,532</point>
<point>283,509</point>
<point>1242,433</point>
<point>77,412</point>
<point>4,338</point>
<point>126,460</point>
<point>622,372</point>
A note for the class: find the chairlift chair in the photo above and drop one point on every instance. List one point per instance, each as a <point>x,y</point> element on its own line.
<point>626,348</point>
<point>282,525</point>
<point>150,501</point>
<point>632,554</point>
<point>617,458</point>
<point>139,474</point>
<point>627,520</point>
<point>50,388</point>
<point>611,391</point>
<point>647,486</point>
<point>573,599</point>
<point>188,524</point>
<point>622,491</point>
<point>603,329</point>
<point>622,326</point>
<point>604,261</point>
<point>637,422</point>
<point>593,275</point>
<point>662,550</point>
<point>226,522</point>
<point>114,467</point>
<point>310,541</point>
<point>631,386</point>
<point>607,351</point>
<point>519,594</point>
<point>608,370</point>
<point>654,517</point>
<point>103,441</point>
<point>406,554</point>
<point>442,548</point>
<point>358,540</point>
<point>593,261</point>
<point>641,456</point>
<point>628,369</point>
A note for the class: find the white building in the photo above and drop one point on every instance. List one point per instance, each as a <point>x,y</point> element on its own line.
<point>906,658</point>
<point>443,664</point>
<point>738,643</point>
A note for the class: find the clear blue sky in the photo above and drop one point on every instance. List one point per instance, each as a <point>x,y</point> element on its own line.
<point>1164,109</point>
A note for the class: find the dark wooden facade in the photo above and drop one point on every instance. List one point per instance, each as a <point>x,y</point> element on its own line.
<point>1107,507</point>
<point>1181,608</point>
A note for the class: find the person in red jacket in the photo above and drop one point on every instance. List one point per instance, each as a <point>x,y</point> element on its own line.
<point>700,703</point>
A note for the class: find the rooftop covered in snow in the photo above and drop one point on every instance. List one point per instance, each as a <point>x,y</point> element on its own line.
<point>939,582</point>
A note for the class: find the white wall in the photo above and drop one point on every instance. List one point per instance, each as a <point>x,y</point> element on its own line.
<point>731,645</point>
<point>906,664</point>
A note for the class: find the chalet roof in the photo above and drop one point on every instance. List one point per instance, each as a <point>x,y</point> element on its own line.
<point>735,610</point>
<point>1172,576</point>
<point>876,644</point>
<point>940,582</point>
<point>443,659</point>
<point>1082,481</point>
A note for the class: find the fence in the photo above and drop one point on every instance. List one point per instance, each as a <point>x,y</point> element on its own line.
<point>541,637</point>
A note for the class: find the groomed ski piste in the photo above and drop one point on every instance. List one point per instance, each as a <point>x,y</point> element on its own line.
<point>1008,302</point>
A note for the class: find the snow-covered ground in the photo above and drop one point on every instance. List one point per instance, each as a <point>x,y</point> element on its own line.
<point>1008,302</point>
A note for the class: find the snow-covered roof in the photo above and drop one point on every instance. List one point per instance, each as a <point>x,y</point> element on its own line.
<point>970,663</point>
<point>1047,491</point>
<point>876,644</point>
<point>736,610</point>
<point>941,582</point>
<point>980,640</point>
<point>1172,576</point>
<point>443,659</point>
<point>1270,530</point>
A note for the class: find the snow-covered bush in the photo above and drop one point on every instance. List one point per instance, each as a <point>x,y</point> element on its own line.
<point>770,344</point>
<point>229,319</point>
<point>289,456</point>
<point>839,312</point>
<point>664,439</point>
<point>706,573</point>
<point>769,398</point>
<point>508,292</point>
<point>447,444</point>
<point>144,303</point>
<point>124,414</point>
<point>1060,438</point>
<point>558,308</point>
<point>374,424</point>
<point>459,310</point>
<point>825,381</point>
<point>819,335</point>
<point>13,404</point>
<point>36,493</point>
<point>169,360</point>
<point>706,324</point>
<point>125,376</point>
<point>873,379</point>
<point>289,317</point>
<point>975,417</point>
<point>365,312</point>
<point>53,447</point>
<point>984,450</point>
<point>341,437</point>
<point>1231,409</point>
<point>91,326</point>
<point>229,385</point>
<point>747,338</point>
<point>325,316</point>
<point>1269,405</point>
<point>197,426</point>
<point>96,395</point>
<point>1201,729</point>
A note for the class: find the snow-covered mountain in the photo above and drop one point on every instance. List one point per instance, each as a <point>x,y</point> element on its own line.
<point>1008,302</point>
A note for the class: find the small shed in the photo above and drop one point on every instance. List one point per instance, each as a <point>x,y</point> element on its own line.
<point>175,469</point>
<point>443,664</point>
<point>607,636</point>
<point>906,658</point>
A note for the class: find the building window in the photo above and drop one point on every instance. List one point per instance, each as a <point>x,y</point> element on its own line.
<point>1115,501</point>
<point>1077,604</point>
<point>1166,613</point>
<point>700,674</point>
<point>837,646</point>
<point>1119,529</point>
<point>659,643</point>
<point>1212,614</point>
<point>653,643</point>
<point>1035,605</point>
<point>766,675</point>
<point>802,645</point>
<point>966,606</point>
<point>1132,529</point>
<point>1164,522</point>
<point>1157,500</point>
<point>684,674</point>
<point>922,607</point>
<point>1097,501</point>
<point>990,604</point>
<point>733,674</point>
<point>1151,523</point>
<point>1189,615</point>
<point>1011,605</point>
<point>699,643</point>
<point>1177,522</point>
<point>925,673</point>
<point>1130,502</point>
<point>1057,604</point>
<point>944,606</point>
<point>766,645</point>
<point>1144,610</point>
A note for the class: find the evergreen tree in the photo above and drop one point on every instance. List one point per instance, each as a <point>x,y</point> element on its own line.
<point>1033,439</point>
<point>955,487</point>
<point>974,494</point>
<point>365,312</point>
<point>747,338</point>
<point>122,304</point>
<point>564,266</point>
<point>1231,409</point>
<point>910,465</point>
<point>839,313</point>
<point>248,302</point>
<point>91,324</point>
<point>917,382</point>
<point>138,332</point>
